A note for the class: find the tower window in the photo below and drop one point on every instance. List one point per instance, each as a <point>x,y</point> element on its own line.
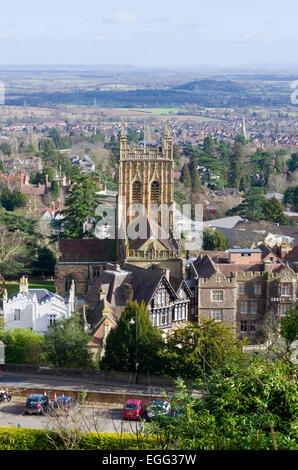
<point>136,192</point>
<point>155,192</point>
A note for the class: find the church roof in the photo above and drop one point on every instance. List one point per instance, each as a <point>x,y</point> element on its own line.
<point>82,250</point>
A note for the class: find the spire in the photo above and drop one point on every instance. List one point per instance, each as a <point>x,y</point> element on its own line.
<point>167,133</point>
<point>122,132</point>
<point>244,128</point>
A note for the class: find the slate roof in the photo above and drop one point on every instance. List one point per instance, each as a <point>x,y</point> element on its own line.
<point>42,295</point>
<point>85,250</point>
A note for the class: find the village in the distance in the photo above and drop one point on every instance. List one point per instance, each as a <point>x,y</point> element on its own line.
<point>149,257</point>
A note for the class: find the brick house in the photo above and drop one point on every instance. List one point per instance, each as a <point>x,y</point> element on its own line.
<point>242,287</point>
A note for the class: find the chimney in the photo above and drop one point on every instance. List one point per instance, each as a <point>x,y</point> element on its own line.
<point>128,292</point>
<point>268,266</point>
<point>23,284</point>
<point>47,180</point>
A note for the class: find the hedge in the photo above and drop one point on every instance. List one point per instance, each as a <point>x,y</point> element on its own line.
<point>37,439</point>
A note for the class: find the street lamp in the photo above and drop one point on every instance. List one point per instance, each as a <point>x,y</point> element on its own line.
<point>133,321</point>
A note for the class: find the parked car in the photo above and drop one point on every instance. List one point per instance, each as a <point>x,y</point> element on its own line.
<point>158,408</point>
<point>66,404</point>
<point>4,395</point>
<point>134,409</point>
<point>37,404</point>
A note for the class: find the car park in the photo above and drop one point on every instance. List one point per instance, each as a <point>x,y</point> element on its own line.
<point>37,404</point>
<point>134,409</point>
<point>158,408</point>
<point>66,404</point>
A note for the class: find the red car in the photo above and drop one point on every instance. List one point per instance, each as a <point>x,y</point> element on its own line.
<point>134,409</point>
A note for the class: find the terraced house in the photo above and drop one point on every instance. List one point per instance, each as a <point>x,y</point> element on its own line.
<point>246,288</point>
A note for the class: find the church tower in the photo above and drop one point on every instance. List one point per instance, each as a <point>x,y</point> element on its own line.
<point>146,179</point>
<point>146,175</point>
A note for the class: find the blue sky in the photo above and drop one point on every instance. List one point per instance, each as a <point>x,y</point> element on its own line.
<point>149,32</point>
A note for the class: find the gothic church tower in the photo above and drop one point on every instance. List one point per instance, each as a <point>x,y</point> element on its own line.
<point>146,177</point>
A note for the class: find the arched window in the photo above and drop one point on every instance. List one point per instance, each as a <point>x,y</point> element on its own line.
<point>155,192</point>
<point>68,281</point>
<point>136,192</point>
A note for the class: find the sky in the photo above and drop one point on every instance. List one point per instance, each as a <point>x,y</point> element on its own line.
<point>149,33</point>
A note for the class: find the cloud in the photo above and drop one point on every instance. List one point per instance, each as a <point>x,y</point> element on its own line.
<point>120,17</point>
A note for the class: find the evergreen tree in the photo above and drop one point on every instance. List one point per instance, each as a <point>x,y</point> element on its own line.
<point>196,181</point>
<point>134,340</point>
<point>185,176</point>
<point>214,240</point>
<point>80,207</point>
<point>273,211</point>
<point>236,172</point>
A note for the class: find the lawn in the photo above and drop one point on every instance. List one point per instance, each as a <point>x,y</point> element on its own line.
<point>13,287</point>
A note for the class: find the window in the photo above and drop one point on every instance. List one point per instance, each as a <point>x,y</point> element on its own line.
<point>217,314</point>
<point>161,297</point>
<point>164,317</point>
<point>136,192</point>
<point>240,288</point>
<point>180,312</point>
<point>68,282</point>
<point>243,307</point>
<point>96,272</point>
<point>243,326</point>
<point>253,307</point>
<point>52,318</point>
<point>252,326</point>
<point>286,289</point>
<point>17,314</point>
<point>257,289</point>
<point>155,192</point>
<point>217,295</point>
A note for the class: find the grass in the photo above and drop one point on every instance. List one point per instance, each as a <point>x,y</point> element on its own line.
<point>13,287</point>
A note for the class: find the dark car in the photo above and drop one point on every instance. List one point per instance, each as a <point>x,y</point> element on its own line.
<point>37,404</point>
<point>66,404</point>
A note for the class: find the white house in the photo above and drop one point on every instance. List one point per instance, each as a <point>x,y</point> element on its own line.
<point>35,308</point>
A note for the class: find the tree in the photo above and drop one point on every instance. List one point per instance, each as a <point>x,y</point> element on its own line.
<point>293,162</point>
<point>16,253</point>
<point>134,340</point>
<point>246,404</point>
<point>252,207</point>
<point>80,207</point>
<point>45,263</point>
<point>208,146</point>
<point>11,200</point>
<point>22,346</point>
<point>273,211</point>
<point>6,148</point>
<point>236,172</point>
<point>198,348</point>
<point>196,186</point>
<point>65,344</point>
<point>289,326</point>
<point>185,176</point>
<point>214,240</point>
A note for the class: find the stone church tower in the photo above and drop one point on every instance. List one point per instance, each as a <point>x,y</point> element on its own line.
<point>146,179</point>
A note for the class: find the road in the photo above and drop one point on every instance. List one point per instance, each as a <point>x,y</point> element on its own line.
<point>101,418</point>
<point>13,379</point>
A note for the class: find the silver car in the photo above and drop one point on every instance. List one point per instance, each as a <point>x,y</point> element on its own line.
<point>158,408</point>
